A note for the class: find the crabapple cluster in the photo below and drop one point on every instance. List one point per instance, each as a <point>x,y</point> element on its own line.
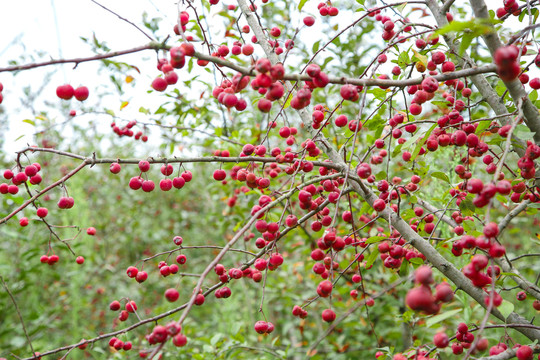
<point>264,327</point>
<point>506,59</point>
<point>421,297</point>
<point>127,130</point>
<point>118,344</point>
<point>161,333</point>
<point>327,10</point>
<point>138,182</point>
<point>509,7</point>
<point>29,174</point>
<point>129,307</point>
<point>66,92</point>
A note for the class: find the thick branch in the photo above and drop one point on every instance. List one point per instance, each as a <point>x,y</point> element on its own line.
<point>488,93</point>
<point>447,268</point>
<point>515,88</point>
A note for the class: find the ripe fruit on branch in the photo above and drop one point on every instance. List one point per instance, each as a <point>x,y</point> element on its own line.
<point>421,299</point>
<point>81,93</point>
<point>506,60</point>
<point>349,92</point>
<point>159,84</point>
<point>171,295</point>
<point>65,92</point>
<point>441,340</point>
<point>328,315</point>
<point>423,275</point>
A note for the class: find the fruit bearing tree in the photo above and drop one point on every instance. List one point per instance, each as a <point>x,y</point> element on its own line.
<point>279,179</point>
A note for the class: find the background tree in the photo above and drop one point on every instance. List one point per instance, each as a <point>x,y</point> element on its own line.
<point>341,180</point>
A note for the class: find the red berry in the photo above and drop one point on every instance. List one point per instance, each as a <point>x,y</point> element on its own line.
<point>379,205</point>
<point>42,212</point>
<point>115,168</point>
<point>81,93</point>
<point>65,92</point>
<point>328,315</point>
<point>159,84</point>
<point>524,352</point>
<point>171,295</point>
<point>440,340</point>
<point>309,20</point>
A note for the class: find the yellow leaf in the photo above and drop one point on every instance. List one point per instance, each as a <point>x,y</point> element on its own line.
<point>124,104</point>
<point>129,79</point>
<point>422,58</point>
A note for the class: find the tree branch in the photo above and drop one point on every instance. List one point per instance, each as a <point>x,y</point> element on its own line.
<point>77,61</point>
<point>515,88</point>
<point>431,254</point>
<point>489,94</point>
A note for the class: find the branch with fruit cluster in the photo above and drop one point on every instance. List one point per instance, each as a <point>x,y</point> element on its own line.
<point>347,179</point>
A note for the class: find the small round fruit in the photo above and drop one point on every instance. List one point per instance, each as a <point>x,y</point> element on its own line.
<point>42,212</point>
<point>115,305</point>
<point>441,340</point>
<point>159,84</point>
<point>65,92</point>
<point>328,315</point>
<point>81,93</point>
<point>171,295</point>
<point>261,327</point>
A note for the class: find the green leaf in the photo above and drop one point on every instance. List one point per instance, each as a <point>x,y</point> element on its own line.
<point>160,110</point>
<point>215,339</point>
<point>301,4</point>
<point>523,132</point>
<point>441,317</point>
<point>423,141</point>
<point>28,121</point>
<point>483,125</point>
<point>476,27</point>
<point>466,206</point>
<point>372,257</point>
<point>403,59</point>
<point>440,104</point>
<point>316,45</point>
<point>533,95</point>
<point>509,274</point>
<point>416,261</point>
<point>288,102</point>
<point>380,175</point>
<point>506,308</point>
<point>440,175</point>
<point>466,42</point>
<point>401,7</point>
<point>375,239</point>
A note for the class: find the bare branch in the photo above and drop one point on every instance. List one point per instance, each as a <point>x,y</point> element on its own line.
<point>123,18</point>
<point>76,61</point>
<point>18,313</point>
